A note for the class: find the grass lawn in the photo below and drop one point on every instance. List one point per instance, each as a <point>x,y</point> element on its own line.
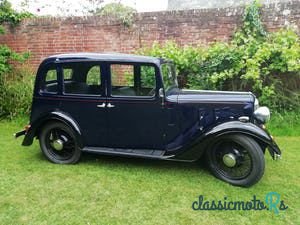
<point>110,190</point>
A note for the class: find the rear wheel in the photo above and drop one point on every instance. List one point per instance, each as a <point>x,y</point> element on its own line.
<point>58,143</point>
<point>236,159</point>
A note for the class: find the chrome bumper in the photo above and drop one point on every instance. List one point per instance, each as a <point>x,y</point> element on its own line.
<point>277,156</point>
<point>20,133</point>
<point>274,150</point>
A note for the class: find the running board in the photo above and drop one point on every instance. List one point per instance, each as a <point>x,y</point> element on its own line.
<point>140,153</point>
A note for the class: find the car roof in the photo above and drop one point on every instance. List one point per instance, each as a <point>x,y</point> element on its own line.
<point>109,57</point>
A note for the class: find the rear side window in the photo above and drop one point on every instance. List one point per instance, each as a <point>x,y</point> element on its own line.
<point>50,83</point>
<point>51,75</point>
<point>68,72</point>
<point>93,76</point>
<point>82,79</point>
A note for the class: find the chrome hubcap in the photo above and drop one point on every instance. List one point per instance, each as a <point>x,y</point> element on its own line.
<point>229,160</point>
<point>58,144</point>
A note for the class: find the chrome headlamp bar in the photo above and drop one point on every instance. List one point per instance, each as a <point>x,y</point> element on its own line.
<point>256,104</point>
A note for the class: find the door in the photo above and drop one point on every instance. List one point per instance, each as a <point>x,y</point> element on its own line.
<point>84,100</point>
<point>136,117</point>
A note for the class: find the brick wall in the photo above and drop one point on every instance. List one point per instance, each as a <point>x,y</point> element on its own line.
<point>47,36</point>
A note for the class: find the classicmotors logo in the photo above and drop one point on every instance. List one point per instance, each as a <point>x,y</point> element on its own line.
<point>271,202</point>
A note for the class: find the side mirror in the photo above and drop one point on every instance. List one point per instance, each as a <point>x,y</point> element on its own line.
<point>162,96</point>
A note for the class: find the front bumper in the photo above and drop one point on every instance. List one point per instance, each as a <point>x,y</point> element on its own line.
<point>20,133</point>
<point>274,150</point>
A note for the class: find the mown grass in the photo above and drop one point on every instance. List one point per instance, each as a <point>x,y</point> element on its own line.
<point>110,190</point>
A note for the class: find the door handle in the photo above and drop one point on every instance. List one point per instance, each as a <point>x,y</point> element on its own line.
<point>102,105</point>
<point>109,105</point>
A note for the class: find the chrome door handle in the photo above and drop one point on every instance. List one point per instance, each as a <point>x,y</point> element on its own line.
<point>109,105</point>
<point>101,106</point>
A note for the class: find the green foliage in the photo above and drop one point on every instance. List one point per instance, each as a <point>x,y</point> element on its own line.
<point>267,64</point>
<point>186,59</point>
<point>148,76</point>
<point>252,25</point>
<point>16,92</point>
<point>7,14</point>
<point>118,10</point>
<point>15,88</point>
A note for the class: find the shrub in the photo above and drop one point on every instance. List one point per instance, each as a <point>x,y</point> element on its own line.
<point>15,86</point>
<point>267,64</point>
<point>16,92</point>
<point>186,59</point>
<point>119,11</point>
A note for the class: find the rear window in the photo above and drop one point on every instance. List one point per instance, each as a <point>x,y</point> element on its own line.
<point>50,83</point>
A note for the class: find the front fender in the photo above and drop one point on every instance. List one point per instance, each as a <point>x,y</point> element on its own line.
<point>238,127</point>
<point>62,117</point>
<point>195,150</point>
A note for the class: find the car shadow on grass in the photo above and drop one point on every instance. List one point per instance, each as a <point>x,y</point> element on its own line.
<point>94,163</point>
<point>122,163</point>
<point>129,162</point>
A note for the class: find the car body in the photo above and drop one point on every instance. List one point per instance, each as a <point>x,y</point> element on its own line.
<point>129,105</point>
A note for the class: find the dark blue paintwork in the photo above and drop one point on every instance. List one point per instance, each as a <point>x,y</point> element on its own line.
<point>180,125</point>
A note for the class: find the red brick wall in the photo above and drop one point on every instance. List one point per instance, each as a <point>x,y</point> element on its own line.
<point>46,36</point>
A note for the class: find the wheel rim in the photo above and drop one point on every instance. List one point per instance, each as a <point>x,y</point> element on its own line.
<point>232,160</point>
<point>59,144</point>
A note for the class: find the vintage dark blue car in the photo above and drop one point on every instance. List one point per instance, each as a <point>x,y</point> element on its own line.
<point>129,105</point>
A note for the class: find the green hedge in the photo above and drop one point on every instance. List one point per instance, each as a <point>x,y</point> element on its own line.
<point>16,92</point>
<point>267,64</point>
<point>15,84</point>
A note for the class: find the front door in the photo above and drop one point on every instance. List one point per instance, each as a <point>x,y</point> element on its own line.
<point>136,117</point>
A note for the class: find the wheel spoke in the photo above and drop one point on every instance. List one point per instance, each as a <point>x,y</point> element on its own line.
<point>243,163</point>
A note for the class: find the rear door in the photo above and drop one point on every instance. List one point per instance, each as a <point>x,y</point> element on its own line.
<point>84,100</point>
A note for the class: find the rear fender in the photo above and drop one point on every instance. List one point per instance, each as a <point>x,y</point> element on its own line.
<point>35,126</point>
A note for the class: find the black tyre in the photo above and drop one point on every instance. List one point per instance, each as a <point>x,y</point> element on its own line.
<point>58,143</point>
<point>236,159</point>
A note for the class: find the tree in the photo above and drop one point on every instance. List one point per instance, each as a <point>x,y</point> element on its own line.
<point>117,10</point>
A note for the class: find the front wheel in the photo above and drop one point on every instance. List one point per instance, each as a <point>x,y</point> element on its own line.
<point>58,143</point>
<point>236,159</point>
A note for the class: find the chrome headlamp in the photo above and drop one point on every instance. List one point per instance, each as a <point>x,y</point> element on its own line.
<point>262,114</point>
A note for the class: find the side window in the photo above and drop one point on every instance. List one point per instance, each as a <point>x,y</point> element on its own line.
<point>68,72</point>
<point>121,75</point>
<point>50,83</point>
<point>82,78</point>
<point>93,76</point>
<point>51,75</point>
<point>147,76</point>
<point>133,80</point>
